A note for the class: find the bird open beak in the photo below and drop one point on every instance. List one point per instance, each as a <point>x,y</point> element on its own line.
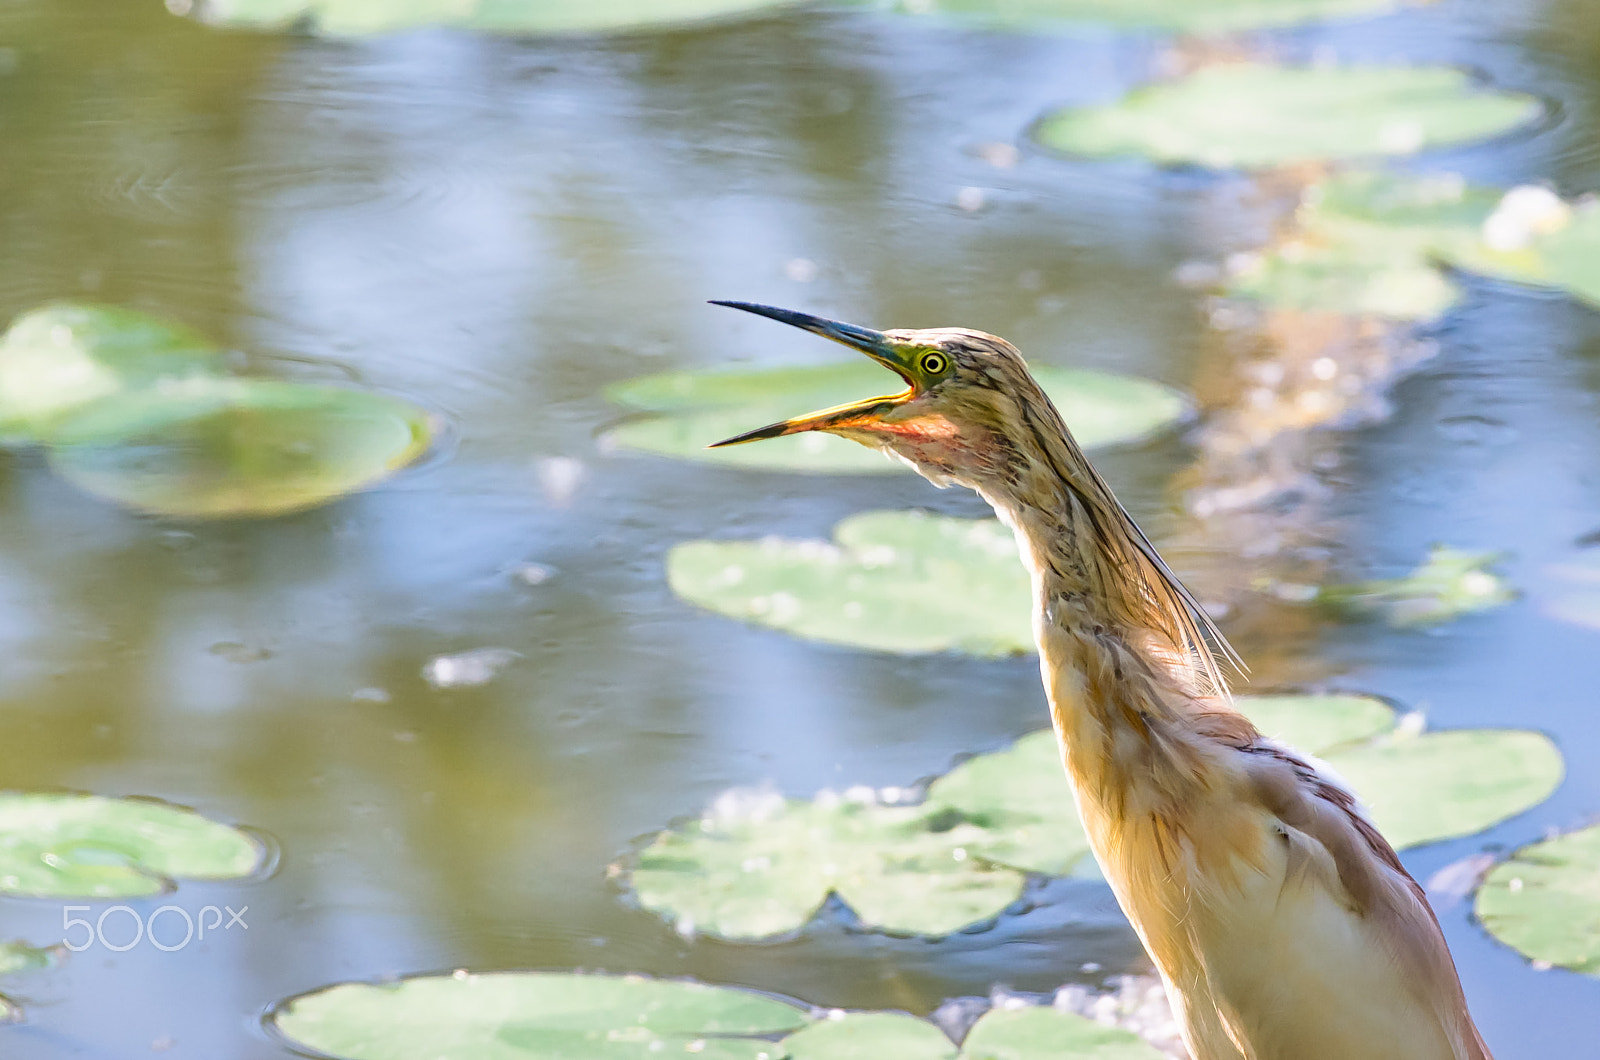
<point>874,344</point>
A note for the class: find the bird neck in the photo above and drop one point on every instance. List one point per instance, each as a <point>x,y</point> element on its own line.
<point>1126,691</point>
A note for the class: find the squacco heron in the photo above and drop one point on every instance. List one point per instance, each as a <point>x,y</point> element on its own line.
<point>1282,923</point>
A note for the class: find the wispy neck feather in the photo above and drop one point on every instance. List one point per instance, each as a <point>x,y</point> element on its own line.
<point>1091,557</point>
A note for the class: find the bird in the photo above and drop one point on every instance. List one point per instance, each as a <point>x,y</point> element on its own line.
<point>1282,924</point>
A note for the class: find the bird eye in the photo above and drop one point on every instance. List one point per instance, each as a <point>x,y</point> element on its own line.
<point>934,363</point>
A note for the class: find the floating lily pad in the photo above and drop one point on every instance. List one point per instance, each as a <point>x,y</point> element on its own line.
<point>349,18</point>
<point>1028,1032</point>
<point>906,581</point>
<point>538,1016</point>
<point>1545,901</point>
<point>576,1016</point>
<point>1021,798</point>
<point>758,865</point>
<point>59,358</point>
<point>1022,801</point>
<point>1449,584</point>
<point>1532,237</point>
<point>1443,785</point>
<point>1184,16</point>
<point>20,957</point>
<point>870,1036</point>
<point>1368,243</point>
<point>693,409</point>
<point>208,447</point>
<point>1249,115</point>
<point>891,581</point>
<point>1318,725</point>
<point>1040,1033</point>
<point>93,847</point>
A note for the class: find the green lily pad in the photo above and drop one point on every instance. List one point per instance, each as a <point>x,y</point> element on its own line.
<point>1444,785</point>
<point>891,581</point>
<point>1449,584</point>
<point>93,847</point>
<point>207,447</point>
<point>1181,16</point>
<point>1368,243</point>
<point>1249,115</point>
<point>1534,238</point>
<point>870,1036</point>
<point>20,957</point>
<point>1041,1033</point>
<point>60,358</point>
<point>758,865</point>
<point>577,1016</point>
<point>1545,901</point>
<point>538,1016</point>
<point>1020,796</point>
<point>909,582</point>
<point>1022,802</point>
<point>1028,1032</point>
<point>1318,725</point>
<point>350,18</point>
<point>693,409</point>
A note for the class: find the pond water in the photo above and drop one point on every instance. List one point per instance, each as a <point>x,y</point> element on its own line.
<point>498,229</point>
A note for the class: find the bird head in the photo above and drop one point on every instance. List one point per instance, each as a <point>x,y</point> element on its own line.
<point>966,392</point>
<point>971,414</point>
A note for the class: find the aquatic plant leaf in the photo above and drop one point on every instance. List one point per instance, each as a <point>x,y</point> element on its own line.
<point>207,448</point>
<point>1029,1032</point>
<point>1544,901</point>
<point>1368,243</point>
<point>57,359</point>
<point>693,409</point>
<point>1534,238</point>
<point>757,865</point>
<point>908,581</point>
<point>93,847</point>
<point>1044,1033</point>
<point>1450,583</point>
<point>1318,724</point>
<point>890,581</point>
<point>1021,799</point>
<point>1249,115</point>
<point>1419,789</point>
<point>1184,16</point>
<point>20,957</point>
<point>1443,785</point>
<point>870,1036</point>
<point>350,18</point>
<point>538,1016</point>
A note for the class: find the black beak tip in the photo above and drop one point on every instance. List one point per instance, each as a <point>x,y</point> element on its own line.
<point>772,430</point>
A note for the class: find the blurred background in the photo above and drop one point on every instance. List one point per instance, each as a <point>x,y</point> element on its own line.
<point>497,226</point>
